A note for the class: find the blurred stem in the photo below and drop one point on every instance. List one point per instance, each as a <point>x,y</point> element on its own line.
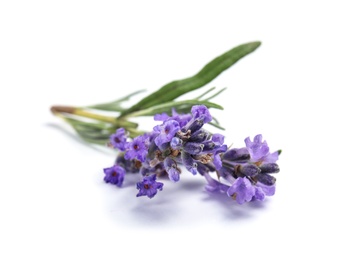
<point>83,113</point>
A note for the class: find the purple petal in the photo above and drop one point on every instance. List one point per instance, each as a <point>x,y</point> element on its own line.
<point>242,190</point>
<point>201,112</point>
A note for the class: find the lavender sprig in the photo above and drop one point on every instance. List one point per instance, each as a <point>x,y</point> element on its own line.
<point>180,142</point>
<point>244,174</point>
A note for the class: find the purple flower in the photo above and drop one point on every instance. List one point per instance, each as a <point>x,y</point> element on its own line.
<point>236,155</point>
<point>201,112</point>
<point>176,143</point>
<point>114,175</point>
<point>259,194</point>
<point>193,148</point>
<point>214,185</point>
<point>218,139</point>
<point>166,132</point>
<point>148,186</point>
<point>189,162</point>
<point>182,119</point>
<point>268,190</point>
<point>161,117</point>
<point>172,169</point>
<point>217,156</point>
<point>241,190</point>
<point>137,149</point>
<point>259,150</point>
<point>119,139</point>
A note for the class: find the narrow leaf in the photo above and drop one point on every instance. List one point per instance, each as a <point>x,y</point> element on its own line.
<point>169,105</point>
<point>177,88</point>
<point>216,94</point>
<point>206,92</point>
<point>115,105</point>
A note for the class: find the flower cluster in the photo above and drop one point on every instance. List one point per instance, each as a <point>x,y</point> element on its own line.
<point>180,141</point>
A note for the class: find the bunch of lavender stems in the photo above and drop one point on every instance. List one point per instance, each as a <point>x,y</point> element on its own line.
<point>180,140</point>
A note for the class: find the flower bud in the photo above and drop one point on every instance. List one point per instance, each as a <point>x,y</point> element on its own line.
<point>269,168</point>
<point>189,162</point>
<point>199,136</point>
<point>249,170</point>
<point>265,179</point>
<point>236,155</point>
<point>193,148</point>
<point>194,126</point>
<point>176,143</point>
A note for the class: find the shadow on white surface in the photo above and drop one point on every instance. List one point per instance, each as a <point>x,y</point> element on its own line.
<point>185,204</point>
<point>75,137</point>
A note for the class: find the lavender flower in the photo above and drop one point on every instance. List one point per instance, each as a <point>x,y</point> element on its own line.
<point>148,186</point>
<point>241,190</point>
<point>259,150</point>
<point>172,169</point>
<point>176,143</point>
<point>119,139</point>
<point>137,149</point>
<point>114,175</point>
<point>218,139</point>
<point>214,185</point>
<point>166,131</point>
<point>182,119</point>
<point>201,112</point>
<point>181,139</point>
<point>189,163</point>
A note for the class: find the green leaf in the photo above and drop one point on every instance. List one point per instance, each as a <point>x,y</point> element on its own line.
<point>97,133</point>
<point>216,94</point>
<point>174,104</point>
<point>115,105</point>
<point>174,89</point>
<point>204,93</point>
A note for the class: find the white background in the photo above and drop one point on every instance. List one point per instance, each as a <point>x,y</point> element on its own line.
<point>53,202</point>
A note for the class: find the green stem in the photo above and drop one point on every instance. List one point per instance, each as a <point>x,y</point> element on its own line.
<point>83,113</point>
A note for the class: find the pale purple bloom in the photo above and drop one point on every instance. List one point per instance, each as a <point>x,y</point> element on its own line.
<point>201,112</point>
<point>148,186</point>
<point>172,169</point>
<point>259,150</point>
<point>241,190</point>
<point>161,117</point>
<point>268,190</point>
<point>137,149</point>
<point>182,119</point>
<point>119,139</point>
<point>259,194</point>
<point>218,139</point>
<point>114,175</point>
<point>214,185</point>
<point>271,157</point>
<point>166,131</point>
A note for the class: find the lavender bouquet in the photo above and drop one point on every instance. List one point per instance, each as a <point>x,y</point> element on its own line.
<point>178,139</point>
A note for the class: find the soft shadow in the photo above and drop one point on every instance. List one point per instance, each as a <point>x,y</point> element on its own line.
<point>232,210</point>
<point>77,138</point>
